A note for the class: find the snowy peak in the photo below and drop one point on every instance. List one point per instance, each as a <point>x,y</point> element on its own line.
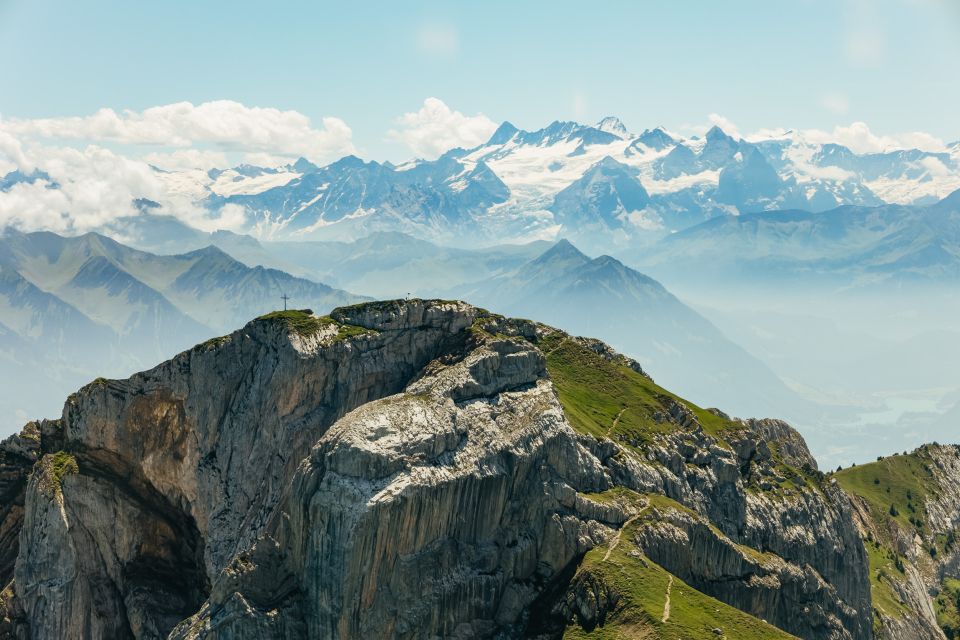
<point>657,139</point>
<point>613,125</point>
<point>565,131</point>
<point>303,166</point>
<point>605,196</point>
<point>596,183</point>
<point>503,134</point>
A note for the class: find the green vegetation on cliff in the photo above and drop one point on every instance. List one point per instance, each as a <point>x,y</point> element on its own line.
<point>948,608</point>
<point>643,600</point>
<point>895,490</point>
<point>895,486</point>
<point>54,467</point>
<point>607,399</point>
<point>304,323</point>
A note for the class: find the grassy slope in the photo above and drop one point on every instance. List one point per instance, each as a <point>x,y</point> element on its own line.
<point>900,482</point>
<point>948,608</point>
<point>593,392</point>
<point>610,400</point>
<point>642,586</point>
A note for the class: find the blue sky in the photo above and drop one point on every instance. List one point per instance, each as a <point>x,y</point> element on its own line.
<point>805,64</point>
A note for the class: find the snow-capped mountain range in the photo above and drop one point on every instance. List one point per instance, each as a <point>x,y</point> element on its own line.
<point>599,185</point>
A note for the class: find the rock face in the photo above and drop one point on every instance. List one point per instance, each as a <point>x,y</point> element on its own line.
<point>400,470</point>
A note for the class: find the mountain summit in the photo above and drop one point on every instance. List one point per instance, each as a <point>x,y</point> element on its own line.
<point>360,475</point>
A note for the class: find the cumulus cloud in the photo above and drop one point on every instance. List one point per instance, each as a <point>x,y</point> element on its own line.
<point>95,185</point>
<point>11,150</point>
<point>225,124</point>
<point>231,217</point>
<point>185,159</point>
<point>436,128</point>
<point>860,139</point>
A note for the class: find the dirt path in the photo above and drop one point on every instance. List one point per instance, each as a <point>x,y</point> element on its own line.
<point>666,604</point>
<point>615,540</point>
<point>562,342</point>
<point>616,421</point>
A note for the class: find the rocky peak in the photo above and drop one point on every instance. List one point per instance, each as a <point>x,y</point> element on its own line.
<point>612,124</point>
<point>401,469</point>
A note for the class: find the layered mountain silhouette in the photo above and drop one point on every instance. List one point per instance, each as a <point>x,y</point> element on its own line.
<point>679,347</point>
<point>72,309</point>
<point>850,245</point>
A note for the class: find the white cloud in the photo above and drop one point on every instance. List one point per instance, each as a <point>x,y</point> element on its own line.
<point>438,39</point>
<point>12,151</point>
<point>935,167</point>
<point>96,185</point>
<point>262,159</point>
<point>232,217</point>
<point>225,124</point>
<point>860,139</point>
<point>835,103</point>
<point>185,159</point>
<point>436,128</point>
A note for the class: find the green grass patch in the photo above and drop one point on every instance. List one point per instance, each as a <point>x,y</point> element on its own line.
<point>885,569</point>
<point>616,495</point>
<point>54,468</point>
<point>895,488</point>
<point>62,464</point>
<point>304,323</point>
<point>641,586</point>
<point>597,393</point>
<point>213,342</point>
<point>947,606</point>
<point>299,321</point>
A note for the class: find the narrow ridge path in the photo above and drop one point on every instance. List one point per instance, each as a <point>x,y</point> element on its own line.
<point>615,540</point>
<point>562,342</point>
<point>666,604</point>
<point>616,421</point>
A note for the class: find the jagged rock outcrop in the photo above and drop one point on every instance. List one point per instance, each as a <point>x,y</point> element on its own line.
<point>405,469</point>
<point>18,454</point>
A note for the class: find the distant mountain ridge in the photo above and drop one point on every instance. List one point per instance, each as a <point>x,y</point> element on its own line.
<point>637,315</point>
<point>74,308</point>
<point>521,185</point>
<point>848,245</point>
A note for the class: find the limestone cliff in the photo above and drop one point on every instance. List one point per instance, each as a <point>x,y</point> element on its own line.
<point>416,469</point>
